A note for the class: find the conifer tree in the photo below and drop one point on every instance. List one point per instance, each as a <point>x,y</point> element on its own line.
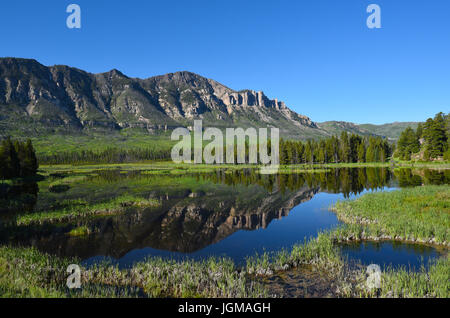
<point>362,152</point>
<point>344,147</point>
<point>434,133</point>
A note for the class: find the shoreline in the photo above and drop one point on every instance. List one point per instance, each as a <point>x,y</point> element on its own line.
<point>320,253</point>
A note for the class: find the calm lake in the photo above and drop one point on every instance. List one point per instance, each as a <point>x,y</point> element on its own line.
<point>232,213</point>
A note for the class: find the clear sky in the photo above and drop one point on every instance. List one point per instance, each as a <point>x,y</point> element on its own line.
<point>316,55</point>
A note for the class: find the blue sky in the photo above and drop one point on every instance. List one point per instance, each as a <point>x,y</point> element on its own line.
<point>317,55</point>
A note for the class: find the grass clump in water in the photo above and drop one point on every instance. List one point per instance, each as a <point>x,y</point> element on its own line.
<point>76,211</point>
<point>320,252</point>
<point>420,214</point>
<point>79,231</point>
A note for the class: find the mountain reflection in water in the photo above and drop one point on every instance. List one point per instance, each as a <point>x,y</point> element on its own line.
<point>233,214</point>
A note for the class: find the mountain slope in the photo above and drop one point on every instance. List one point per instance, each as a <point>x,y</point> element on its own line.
<point>337,127</point>
<point>36,99</point>
<point>391,131</point>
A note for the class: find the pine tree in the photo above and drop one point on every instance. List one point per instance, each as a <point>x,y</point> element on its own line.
<point>3,163</point>
<point>11,167</point>
<point>335,146</point>
<point>447,133</point>
<point>362,152</point>
<point>408,144</point>
<point>322,152</point>
<point>30,164</point>
<point>17,159</point>
<point>308,153</point>
<point>344,147</point>
<point>434,133</point>
<point>419,131</point>
<point>355,140</point>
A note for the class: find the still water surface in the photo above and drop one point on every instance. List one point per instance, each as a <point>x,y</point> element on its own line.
<point>303,222</point>
<point>226,213</point>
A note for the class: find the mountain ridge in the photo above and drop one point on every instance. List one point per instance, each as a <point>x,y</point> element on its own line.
<point>37,99</point>
<point>61,96</point>
<point>391,131</point>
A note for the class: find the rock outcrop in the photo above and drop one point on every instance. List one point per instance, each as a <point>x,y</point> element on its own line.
<point>66,98</point>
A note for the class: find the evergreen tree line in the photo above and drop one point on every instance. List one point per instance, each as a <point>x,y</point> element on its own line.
<point>17,159</point>
<point>344,149</point>
<point>110,155</point>
<point>428,142</point>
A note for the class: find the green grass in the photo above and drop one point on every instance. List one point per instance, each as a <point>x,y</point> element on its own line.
<point>79,208</point>
<point>325,257</point>
<point>220,278</point>
<point>319,252</point>
<point>26,272</point>
<point>165,167</point>
<point>64,184</point>
<point>420,214</point>
<point>415,214</point>
<point>294,169</point>
<point>433,282</point>
<point>79,231</point>
<point>422,164</point>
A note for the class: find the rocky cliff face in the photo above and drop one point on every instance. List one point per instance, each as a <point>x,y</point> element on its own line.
<point>67,98</point>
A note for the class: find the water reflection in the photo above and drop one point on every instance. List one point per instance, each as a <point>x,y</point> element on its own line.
<point>391,254</point>
<point>228,212</point>
<point>345,180</point>
<point>18,198</point>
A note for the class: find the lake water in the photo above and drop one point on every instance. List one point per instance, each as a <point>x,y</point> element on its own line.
<point>226,213</point>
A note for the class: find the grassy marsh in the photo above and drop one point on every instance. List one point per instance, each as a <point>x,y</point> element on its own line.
<point>26,272</point>
<point>420,214</point>
<point>324,256</point>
